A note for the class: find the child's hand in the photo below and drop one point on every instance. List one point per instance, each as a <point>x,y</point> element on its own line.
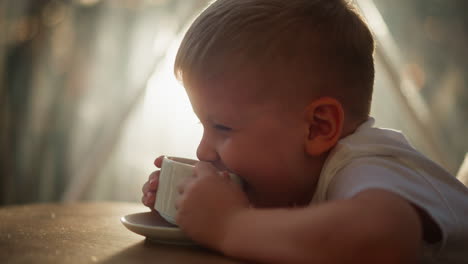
<point>208,202</point>
<point>150,187</point>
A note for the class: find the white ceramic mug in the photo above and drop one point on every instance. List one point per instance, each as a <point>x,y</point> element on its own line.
<point>173,171</point>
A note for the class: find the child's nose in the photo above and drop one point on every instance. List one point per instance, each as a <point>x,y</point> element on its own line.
<point>206,150</point>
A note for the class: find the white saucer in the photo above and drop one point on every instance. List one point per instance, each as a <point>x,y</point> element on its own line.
<point>155,228</point>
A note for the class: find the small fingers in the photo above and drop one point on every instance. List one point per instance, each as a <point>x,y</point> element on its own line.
<point>179,203</point>
<point>149,199</point>
<point>181,187</point>
<point>154,175</point>
<point>158,161</point>
<point>154,181</point>
<point>152,184</point>
<point>149,189</point>
<point>145,188</point>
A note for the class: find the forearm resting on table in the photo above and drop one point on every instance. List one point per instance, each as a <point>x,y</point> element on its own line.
<point>374,227</point>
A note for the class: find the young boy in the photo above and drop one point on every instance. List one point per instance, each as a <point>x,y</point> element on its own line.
<point>283,90</point>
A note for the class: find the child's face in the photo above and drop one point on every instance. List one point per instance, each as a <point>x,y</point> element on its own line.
<point>261,143</point>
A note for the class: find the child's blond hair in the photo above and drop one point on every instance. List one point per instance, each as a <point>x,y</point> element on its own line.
<point>324,41</point>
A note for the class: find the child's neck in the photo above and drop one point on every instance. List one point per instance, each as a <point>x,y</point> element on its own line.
<point>350,127</point>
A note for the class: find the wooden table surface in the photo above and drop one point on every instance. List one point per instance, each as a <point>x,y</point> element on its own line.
<point>85,233</point>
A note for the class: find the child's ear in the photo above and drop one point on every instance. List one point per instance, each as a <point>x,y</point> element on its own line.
<point>325,118</point>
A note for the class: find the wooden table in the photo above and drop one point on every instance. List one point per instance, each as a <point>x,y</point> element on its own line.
<point>85,233</point>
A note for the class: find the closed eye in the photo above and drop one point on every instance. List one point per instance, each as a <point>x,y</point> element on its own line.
<point>222,128</point>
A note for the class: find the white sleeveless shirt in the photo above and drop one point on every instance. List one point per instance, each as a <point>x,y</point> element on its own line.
<point>382,158</point>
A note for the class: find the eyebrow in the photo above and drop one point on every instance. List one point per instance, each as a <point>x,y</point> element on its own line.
<point>226,120</point>
<point>230,118</point>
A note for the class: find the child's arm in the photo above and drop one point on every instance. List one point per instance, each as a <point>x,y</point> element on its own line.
<point>375,226</point>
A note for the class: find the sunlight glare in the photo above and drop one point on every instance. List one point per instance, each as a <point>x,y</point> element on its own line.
<point>167,107</point>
